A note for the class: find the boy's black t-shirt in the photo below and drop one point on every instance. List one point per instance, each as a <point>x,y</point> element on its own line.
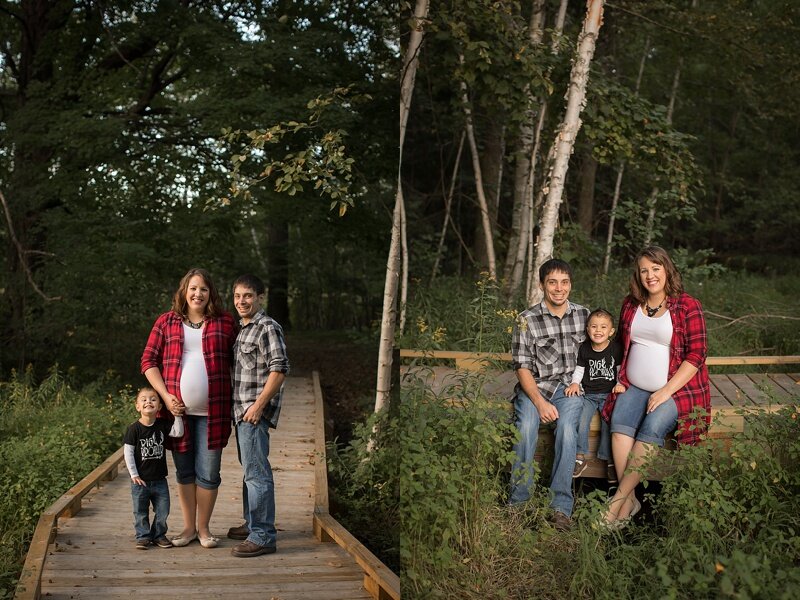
<point>148,448</point>
<point>600,368</point>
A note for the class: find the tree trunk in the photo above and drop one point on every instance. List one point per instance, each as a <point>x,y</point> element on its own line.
<point>568,131</point>
<point>383,386</point>
<point>653,199</point>
<point>479,189</point>
<point>404,267</point>
<point>278,271</point>
<point>523,164</point>
<point>448,202</point>
<point>491,169</point>
<point>586,192</point>
<point>618,185</point>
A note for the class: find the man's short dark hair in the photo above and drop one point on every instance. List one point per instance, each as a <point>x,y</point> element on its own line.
<point>554,264</point>
<point>250,281</point>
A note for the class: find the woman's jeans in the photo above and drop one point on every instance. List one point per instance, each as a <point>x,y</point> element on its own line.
<point>527,420</point>
<point>592,404</point>
<point>199,465</point>
<point>630,418</point>
<point>157,494</point>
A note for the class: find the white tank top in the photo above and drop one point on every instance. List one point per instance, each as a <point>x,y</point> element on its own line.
<point>648,358</point>
<point>194,378</point>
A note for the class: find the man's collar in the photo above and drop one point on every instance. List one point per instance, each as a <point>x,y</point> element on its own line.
<point>260,314</point>
<point>546,309</point>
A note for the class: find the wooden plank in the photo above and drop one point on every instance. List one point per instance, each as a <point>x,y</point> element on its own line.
<point>774,391</point>
<point>506,356</point>
<point>386,581</point>
<point>744,383</point>
<point>321,462</point>
<point>729,389</point>
<point>93,554</point>
<point>786,383</point>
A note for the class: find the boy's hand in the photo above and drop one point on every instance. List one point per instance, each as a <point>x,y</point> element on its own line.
<point>138,481</point>
<point>573,390</point>
<point>619,389</point>
<point>175,406</point>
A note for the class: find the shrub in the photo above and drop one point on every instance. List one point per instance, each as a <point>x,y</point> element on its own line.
<point>52,436</point>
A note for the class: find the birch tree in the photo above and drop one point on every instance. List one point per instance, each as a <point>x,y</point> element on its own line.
<point>389,314</point>
<point>479,189</point>
<point>565,139</point>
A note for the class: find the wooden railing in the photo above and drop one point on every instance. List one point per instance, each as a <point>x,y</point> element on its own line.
<point>472,360</point>
<point>30,581</point>
<point>379,580</point>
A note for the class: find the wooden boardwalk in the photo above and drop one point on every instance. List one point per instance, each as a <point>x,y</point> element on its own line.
<point>733,396</point>
<point>93,554</point>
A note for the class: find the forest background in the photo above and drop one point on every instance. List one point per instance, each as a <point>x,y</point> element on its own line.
<point>118,151</point>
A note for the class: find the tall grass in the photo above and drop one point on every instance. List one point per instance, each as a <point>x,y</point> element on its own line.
<point>745,314</point>
<point>51,436</point>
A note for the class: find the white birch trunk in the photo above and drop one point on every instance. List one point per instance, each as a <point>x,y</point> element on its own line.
<point>448,202</point>
<point>404,270</point>
<point>383,384</point>
<point>565,139</point>
<point>476,165</point>
<point>523,165</point>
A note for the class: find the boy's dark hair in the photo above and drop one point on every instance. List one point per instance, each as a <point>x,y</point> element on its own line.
<point>145,388</point>
<point>600,312</point>
<point>554,264</point>
<point>250,281</point>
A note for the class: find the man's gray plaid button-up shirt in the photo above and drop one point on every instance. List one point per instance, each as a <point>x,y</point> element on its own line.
<point>259,349</point>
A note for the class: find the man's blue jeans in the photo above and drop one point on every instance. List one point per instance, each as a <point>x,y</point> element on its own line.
<point>157,493</point>
<point>566,442</point>
<point>258,488</point>
<point>592,404</point>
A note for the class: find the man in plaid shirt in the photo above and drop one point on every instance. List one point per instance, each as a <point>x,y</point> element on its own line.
<point>260,367</point>
<point>544,348</point>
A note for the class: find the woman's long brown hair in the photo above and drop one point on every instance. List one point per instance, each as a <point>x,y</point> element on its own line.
<point>214,308</point>
<point>658,255</point>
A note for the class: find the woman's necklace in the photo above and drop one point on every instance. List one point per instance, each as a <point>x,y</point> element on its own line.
<point>200,324</point>
<point>651,312</point>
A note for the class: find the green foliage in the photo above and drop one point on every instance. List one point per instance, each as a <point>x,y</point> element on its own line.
<point>451,467</point>
<point>436,321</point>
<point>52,436</point>
<point>365,485</point>
<point>725,524</point>
<point>323,161</point>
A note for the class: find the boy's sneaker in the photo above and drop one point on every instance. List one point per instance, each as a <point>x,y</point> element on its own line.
<point>142,544</point>
<point>581,464</point>
<point>611,474</point>
<point>163,542</point>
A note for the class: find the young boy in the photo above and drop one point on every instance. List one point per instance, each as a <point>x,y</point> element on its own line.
<point>598,364</point>
<point>147,465</point>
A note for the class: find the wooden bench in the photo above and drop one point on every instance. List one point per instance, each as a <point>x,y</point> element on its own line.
<point>733,396</point>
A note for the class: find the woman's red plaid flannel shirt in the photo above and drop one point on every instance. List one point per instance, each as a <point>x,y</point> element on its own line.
<point>689,343</point>
<point>164,350</point>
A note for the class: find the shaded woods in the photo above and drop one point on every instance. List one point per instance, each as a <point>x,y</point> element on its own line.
<point>116,179</point>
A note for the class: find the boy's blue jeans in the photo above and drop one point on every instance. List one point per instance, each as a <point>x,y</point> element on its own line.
<point>527,420</point>
<point>593,403</point>
<point>155,493</point>
<point>258,493</point>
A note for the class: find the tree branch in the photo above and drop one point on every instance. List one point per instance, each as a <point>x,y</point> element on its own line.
<point>732,320</point>
<point>22,252</point>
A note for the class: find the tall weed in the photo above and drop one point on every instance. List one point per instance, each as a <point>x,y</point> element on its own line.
<point>52,436</point>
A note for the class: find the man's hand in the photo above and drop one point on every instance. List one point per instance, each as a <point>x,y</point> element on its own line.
<point>547,411</point>
<point>253,414</point>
